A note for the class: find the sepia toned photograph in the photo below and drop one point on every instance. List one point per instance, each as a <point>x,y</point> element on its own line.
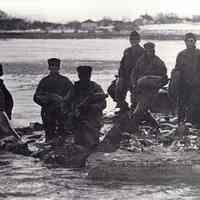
<point>99,100</point>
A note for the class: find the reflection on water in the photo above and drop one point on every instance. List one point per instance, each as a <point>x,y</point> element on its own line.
<point>27,178</point>
<point>36,52</point>
<point>23,88</point>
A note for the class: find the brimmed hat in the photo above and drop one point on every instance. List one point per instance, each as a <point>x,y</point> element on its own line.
<point>84,69</point>
<point>54,61</point>
<point>149,45</point>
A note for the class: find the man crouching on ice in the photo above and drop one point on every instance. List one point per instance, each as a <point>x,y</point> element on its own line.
<point>89,101</point>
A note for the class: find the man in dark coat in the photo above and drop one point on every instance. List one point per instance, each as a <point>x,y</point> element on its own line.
<point>88,105</point>
<point>127,64</point>
<point>148,76</point>
<point>188,69</point>
<point>51,94</point>
<point>6,100</point>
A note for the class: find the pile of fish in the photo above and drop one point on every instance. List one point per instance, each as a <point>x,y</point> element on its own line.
<point>66,153</point>
<point>185,137</point>
<point>170,151</point>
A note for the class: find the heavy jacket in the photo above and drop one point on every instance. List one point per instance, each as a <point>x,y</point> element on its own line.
<point>128,61</point>
<point>188,63</point>
<point>95,106</point>
<point>144,67</point>
<point>148,76</point>
<point>187,85</point>
<point>88,102</point>
<point>51,90</point>
<point>50,95</point>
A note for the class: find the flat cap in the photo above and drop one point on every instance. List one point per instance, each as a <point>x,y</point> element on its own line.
<point>135,35</point>
<point>149,45</point>
<point>54,61</point>
<point>190,35</point>
<point>84,68</point>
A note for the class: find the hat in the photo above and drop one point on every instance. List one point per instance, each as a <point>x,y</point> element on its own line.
<point>54,61</point>
<point>84,68</point>
<point>190,35</point>
<point>135,35</point>
<point>149,45</point>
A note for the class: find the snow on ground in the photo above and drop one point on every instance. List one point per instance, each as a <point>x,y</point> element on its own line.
<point>171,28</point>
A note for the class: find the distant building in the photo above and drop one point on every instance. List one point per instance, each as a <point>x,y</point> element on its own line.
<point>105,29</point>
<point>144,20</point>
<point>74,25</point>
<point>89,26</point>
<point>105,22</point>
<point>125,27</point>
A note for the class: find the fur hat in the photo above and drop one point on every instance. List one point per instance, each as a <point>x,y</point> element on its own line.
<point>84,69</point>
<point>190,35</point>
<point>149,45</point>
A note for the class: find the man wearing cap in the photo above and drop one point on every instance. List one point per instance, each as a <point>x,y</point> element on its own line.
<point>187,69</point>
<point>88,105</point>
<point>51,94</point>
<point>127,64</point>
<point>148,76</point>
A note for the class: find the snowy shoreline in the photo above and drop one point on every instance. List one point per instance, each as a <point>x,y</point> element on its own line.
<point>150,32</point>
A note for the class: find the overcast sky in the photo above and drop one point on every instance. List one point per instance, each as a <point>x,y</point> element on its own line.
<point>67,10</point>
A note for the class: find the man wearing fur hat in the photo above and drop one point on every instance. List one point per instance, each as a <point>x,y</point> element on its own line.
<point>187,70</point>
<point>127,64</point>
<point>50,95</point>
<point>88,105</point>
<point>148,76</point>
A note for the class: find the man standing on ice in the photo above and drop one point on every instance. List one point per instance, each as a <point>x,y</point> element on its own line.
<point>51,94</point>
<point>186,81</point>
<point>127,64</point>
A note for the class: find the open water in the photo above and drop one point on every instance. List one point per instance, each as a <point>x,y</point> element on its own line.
<point>25,64</point>
<point>27,178</point>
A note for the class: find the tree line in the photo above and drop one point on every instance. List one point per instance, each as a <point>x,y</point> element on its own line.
<point>15,23</point>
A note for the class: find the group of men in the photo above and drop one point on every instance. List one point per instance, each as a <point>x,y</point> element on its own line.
<point>68,107</point>
<point>143,73</point>
<point>78,108</point>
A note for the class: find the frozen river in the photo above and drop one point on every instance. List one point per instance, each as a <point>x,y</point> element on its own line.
<point>26,178</point>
